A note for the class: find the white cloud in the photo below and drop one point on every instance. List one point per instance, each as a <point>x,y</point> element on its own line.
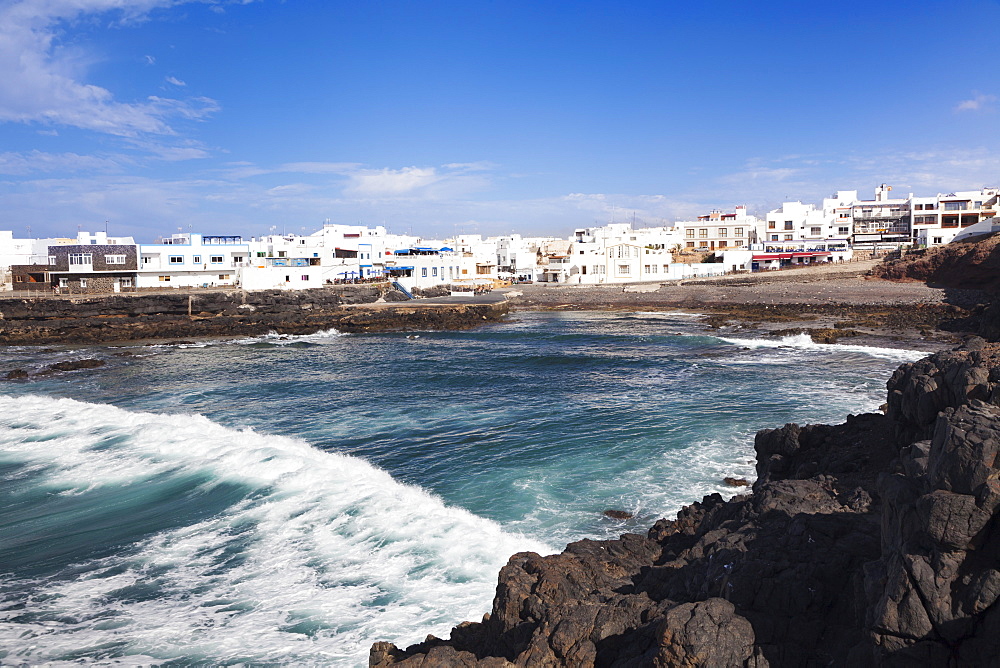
<point>391,182</point>
<point>175,81</point>
<point>42,82</point>
<point>978,102</point>
<point>37,161</point>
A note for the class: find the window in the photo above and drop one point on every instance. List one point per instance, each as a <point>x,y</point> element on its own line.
<point>815,231</point>
<point>114,259</point>
<point>954,206</point>
<point>164,279</point>
<point>623,269</point>
<point>176,259</point>
<point>702,233</point>
<point>196,259</point>
<point>722,231</point>
<point>938,240</point>
<point>19,279</point>
<point>305,277</point>
<point>126,282</point>
<point>280,254</point>
<point>423,272</point>
<point>843,230</point>
<point>689,244</point>
<point>774,237</point>
<point>722,244</point>
<point>217,259</point>
<point>788,237</point>
<point>689,234</point>
<point>703,244</point>
<point>223,277</point>
<point>81,258</point>
<point>63,282</point>
<point>434,271</point>
<point>788,225</point>
<point>738,232</point>
<point>918,207</point>
<point>52,259</point>
<point>83,282</point>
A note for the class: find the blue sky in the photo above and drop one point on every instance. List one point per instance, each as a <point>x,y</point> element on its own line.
<point>236,117</point>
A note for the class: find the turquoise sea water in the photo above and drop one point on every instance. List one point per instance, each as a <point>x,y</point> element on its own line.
<point>296,499</point>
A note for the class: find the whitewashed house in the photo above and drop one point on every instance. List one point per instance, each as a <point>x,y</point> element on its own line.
<point>191,260</point>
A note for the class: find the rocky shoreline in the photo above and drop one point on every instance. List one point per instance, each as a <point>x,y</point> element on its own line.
<point>120,318</point>
<point>873,542</point>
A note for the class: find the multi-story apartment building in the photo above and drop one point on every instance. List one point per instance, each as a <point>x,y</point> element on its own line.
<point>881,221</point>
<point>719,230</point>
<point>939,219</point>
<point>797,221</point>
<point>191,260</point>
<point>96,263</point>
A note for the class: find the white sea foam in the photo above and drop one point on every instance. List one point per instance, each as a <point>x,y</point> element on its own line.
<point>667,314</point>
<point>333,553</point>
<point>322,336</point>
<point>804,342</point>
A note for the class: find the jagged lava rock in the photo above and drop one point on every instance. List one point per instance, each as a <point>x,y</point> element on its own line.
<point>872,542</point>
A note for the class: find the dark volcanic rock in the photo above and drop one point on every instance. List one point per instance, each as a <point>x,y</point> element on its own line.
<point>74,365</point>
<point>873,542</point>
<point>177,318</point>
<point>16,373</point>
<point>618,514</point>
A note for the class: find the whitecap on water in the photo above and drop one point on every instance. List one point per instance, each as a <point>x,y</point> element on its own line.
<point>317,556</point>
<point>804,342</point>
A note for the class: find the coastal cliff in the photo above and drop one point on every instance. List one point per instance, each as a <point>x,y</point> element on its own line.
<point>872,542</point>
<point>349,309</point>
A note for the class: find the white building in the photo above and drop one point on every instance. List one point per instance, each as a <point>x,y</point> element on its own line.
<point>26,252</point>
<point>787,254</point>
<point>719,230</point>
<point>192,260</point>
<point>940,219</point>
<point>426,267</point>
<point>795,220</point>
<point>517,256</point>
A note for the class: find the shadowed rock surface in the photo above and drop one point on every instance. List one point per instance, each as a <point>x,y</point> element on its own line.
<point>873,542</point>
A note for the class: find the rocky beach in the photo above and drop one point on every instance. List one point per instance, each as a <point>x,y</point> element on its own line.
<point>829,302</point>
<point>874,542</point>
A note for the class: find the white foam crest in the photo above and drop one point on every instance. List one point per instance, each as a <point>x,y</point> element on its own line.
<point>274,338</point>
<point>324,541</point>
<point>803,341</point>
<point>668,314</point>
